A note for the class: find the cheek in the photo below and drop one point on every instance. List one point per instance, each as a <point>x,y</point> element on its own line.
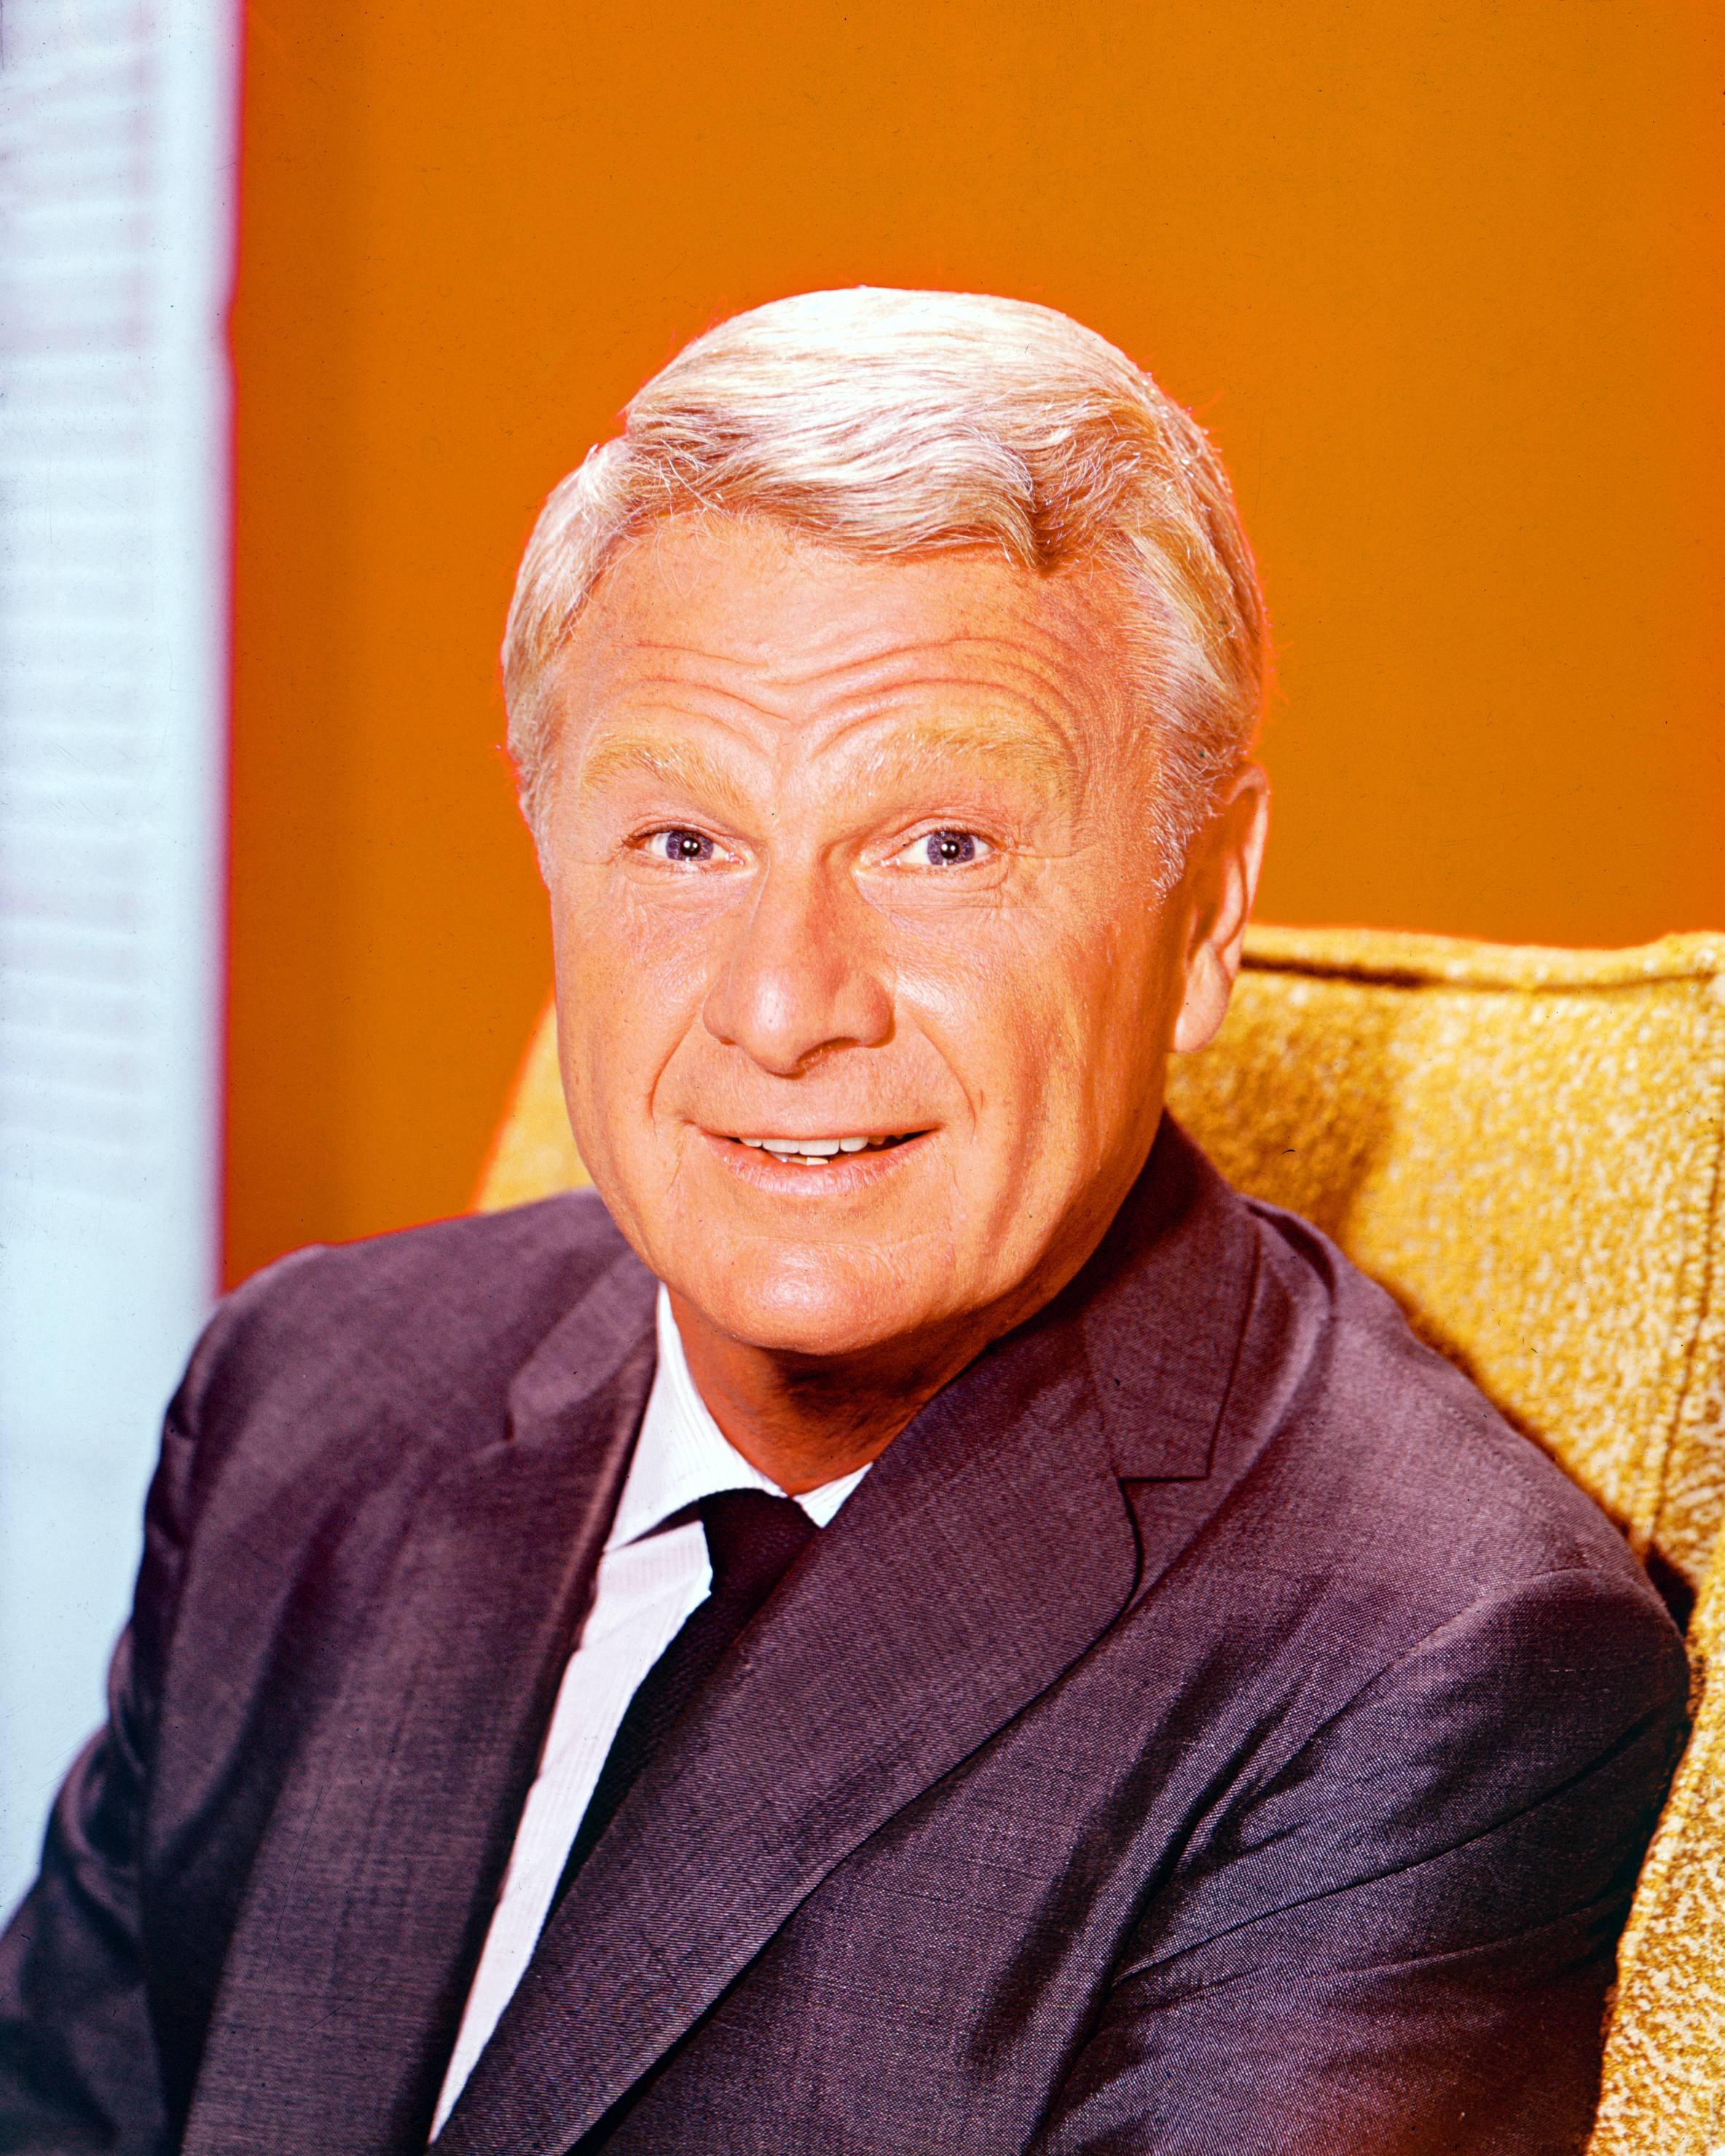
<point>1049,1024</point>
<point>630,983</point>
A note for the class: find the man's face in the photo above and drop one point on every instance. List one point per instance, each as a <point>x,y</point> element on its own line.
<point>853,856</point>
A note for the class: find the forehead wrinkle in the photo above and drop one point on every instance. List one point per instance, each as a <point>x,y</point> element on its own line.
<point>665,693</point>
<point>882,682</point>
<point>890,661</point>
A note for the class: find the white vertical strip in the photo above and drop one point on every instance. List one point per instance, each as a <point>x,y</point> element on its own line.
<point>117,127</point>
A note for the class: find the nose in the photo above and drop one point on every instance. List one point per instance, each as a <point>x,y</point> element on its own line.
<point>799,979</point>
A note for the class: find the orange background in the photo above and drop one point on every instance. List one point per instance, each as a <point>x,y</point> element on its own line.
<point>1445,282</point>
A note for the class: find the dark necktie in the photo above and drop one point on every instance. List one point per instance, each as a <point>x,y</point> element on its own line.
<point>751,1540</point>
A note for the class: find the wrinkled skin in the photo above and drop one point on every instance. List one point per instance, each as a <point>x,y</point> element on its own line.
<point>841,847</point>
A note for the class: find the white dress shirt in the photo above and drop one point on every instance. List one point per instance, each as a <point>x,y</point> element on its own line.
<point>651,1576</point>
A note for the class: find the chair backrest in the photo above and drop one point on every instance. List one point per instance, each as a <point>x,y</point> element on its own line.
<point>1525,1147</point>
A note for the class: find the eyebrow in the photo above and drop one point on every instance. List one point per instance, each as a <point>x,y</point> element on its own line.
<point>683,764</point>
<point>926,747</point>
<point>1002,745</point>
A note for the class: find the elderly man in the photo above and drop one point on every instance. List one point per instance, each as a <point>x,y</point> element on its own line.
<point>916,1619</point>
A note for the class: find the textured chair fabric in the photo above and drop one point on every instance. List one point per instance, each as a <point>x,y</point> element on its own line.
<point>1524,1146</point>
<point>1664,2088</point>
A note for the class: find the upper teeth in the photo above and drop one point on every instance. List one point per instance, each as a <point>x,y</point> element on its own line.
<point>807,1148</point>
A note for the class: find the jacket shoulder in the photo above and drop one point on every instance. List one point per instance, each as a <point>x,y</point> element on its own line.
<point>425,1326</point>
<point>474,1260</point>
<point>1415,1468</point>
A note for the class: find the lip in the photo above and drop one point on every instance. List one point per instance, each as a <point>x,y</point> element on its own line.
<point>844,1174</point>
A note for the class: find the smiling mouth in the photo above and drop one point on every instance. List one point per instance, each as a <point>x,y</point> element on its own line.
<point>824,1153</point>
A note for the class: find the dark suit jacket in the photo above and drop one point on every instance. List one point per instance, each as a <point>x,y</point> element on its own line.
<point>1208,1728</point>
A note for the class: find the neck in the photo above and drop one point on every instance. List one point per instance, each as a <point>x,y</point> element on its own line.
<point>805,1421</point>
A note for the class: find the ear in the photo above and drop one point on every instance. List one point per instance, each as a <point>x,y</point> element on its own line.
<point>1221,880</point>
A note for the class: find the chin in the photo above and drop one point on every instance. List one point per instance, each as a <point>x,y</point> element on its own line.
<point>809,1303</point>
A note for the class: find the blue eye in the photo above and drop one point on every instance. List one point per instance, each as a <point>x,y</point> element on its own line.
<point>681,845</point>
<point>949,849</point>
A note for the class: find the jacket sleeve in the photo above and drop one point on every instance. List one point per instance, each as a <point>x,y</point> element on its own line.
<point>1401,1942</point>
<point>78,2058</point>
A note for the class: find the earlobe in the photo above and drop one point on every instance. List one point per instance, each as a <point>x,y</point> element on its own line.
<point>1209,985</point>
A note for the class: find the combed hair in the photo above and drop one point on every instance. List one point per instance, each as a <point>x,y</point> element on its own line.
<point>889,424</point>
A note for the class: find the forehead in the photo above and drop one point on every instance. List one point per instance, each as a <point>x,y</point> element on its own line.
<point>744,620</point>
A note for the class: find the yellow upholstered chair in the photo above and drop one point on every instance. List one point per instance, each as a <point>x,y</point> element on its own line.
<point>1525,1147</point>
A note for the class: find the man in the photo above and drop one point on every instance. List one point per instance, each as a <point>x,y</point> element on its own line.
<point>916,1619</point>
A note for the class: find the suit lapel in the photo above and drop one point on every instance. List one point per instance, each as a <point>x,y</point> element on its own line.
<point>371,1890</point>
<point>984,1553</point>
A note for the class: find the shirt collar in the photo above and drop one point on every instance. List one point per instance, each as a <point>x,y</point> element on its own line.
<point>682,1456</point>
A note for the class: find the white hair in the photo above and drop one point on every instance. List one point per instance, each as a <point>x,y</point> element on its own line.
<point>894,423</point>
